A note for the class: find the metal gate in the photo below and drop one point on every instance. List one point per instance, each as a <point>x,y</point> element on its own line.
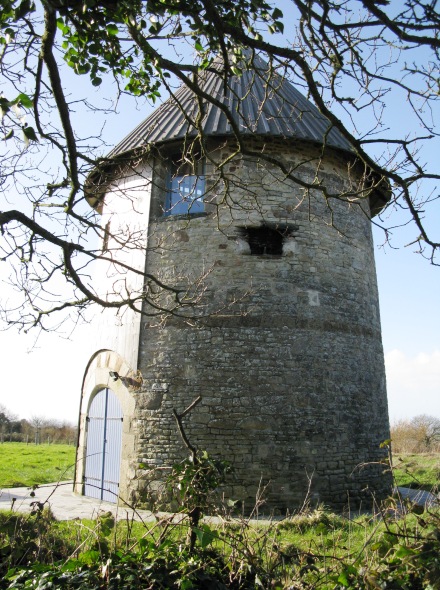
<point>103,451</point>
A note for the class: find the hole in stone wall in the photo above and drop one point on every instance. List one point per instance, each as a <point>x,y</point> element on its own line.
<point>266,240</point>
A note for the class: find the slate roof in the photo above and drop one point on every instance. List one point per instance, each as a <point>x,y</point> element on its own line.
<point>262,103</point>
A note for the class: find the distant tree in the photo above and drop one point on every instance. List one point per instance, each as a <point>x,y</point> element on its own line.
<point>4,416</point>
<point>58,431</point>
<point>421,434</point>
<point>349,57</point>
<point>427,429</point>
<point>38,423</point>
<point>8,423</point>
<point>37,428</point>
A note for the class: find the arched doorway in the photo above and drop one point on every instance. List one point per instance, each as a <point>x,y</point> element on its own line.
<point>103,450</point>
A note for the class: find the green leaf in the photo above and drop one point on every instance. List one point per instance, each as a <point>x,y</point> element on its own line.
<point>24,100</point>
<point>9,134</point>
<point>62,26</point>
<point>344,576</point>
<point>198,46</point>
<point>90,557</point>
<point>23,9</point>
<point>145,544</point>
<point>205,535</point>
<point>277,13</point>
<point>280,26</point>
<point>343,579</point>
<point>10,34</point>
<point>12,573</point>
<point>81,69</point>
<point>4,106</point>
<point>97,81</point>
<point>71,565</point>
<point>158,28</point>
<point>112,30</point>
<point>29,133</point>
<point>403,551</point>
<point>107,525</point>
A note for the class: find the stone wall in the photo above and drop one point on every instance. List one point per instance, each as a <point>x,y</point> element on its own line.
<point>287,352</point>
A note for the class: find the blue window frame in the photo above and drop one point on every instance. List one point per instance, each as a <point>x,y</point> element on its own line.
<point>186,188</point>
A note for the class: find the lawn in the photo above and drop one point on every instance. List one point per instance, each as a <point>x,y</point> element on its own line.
<point>311,550</point>
<point>420,471</point>
<point>26,465</point>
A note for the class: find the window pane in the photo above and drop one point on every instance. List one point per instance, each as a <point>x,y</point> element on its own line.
<point>186,193</point>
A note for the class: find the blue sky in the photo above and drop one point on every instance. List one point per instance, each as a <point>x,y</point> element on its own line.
<point>409,288</point>
<point>409,292</point>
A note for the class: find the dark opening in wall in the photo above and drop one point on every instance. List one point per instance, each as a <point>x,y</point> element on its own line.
<point>266,240</point>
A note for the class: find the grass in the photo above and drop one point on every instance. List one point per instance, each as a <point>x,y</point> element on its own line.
<point>421,471</point>
<point>315,549</point>
<point>312,550</point>
<point>317,532</point>
<point>28,465</point>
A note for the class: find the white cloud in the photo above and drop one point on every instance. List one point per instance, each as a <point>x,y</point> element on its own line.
<point>413,384</point>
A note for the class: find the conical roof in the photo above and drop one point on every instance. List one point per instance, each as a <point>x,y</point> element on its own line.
<point>262,103</point>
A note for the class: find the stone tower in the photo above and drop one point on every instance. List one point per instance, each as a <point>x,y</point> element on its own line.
<point>270,248</point>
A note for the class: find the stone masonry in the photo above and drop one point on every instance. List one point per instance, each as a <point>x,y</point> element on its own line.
<point>287,351</point>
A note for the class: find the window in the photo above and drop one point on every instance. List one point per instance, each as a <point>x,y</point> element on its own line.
<point>267,240</point>
<point>186,188</point>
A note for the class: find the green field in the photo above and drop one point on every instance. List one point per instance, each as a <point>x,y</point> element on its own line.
<point>28,465</point>
<point>420,471</point>
<point>313,550</point>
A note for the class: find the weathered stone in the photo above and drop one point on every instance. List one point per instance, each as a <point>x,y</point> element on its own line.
<point>288,356</point>
<point>151,400</point>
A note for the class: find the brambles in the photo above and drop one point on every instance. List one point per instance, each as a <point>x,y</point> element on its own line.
<point>398,547</point>
<point>315,549</point>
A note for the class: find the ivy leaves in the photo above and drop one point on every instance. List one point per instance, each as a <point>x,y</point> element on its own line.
<point>118,39</point>
<point>11,111</point>
<point>15,106</point>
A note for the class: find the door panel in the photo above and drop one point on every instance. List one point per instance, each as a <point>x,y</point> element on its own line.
<point>104,442</point>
